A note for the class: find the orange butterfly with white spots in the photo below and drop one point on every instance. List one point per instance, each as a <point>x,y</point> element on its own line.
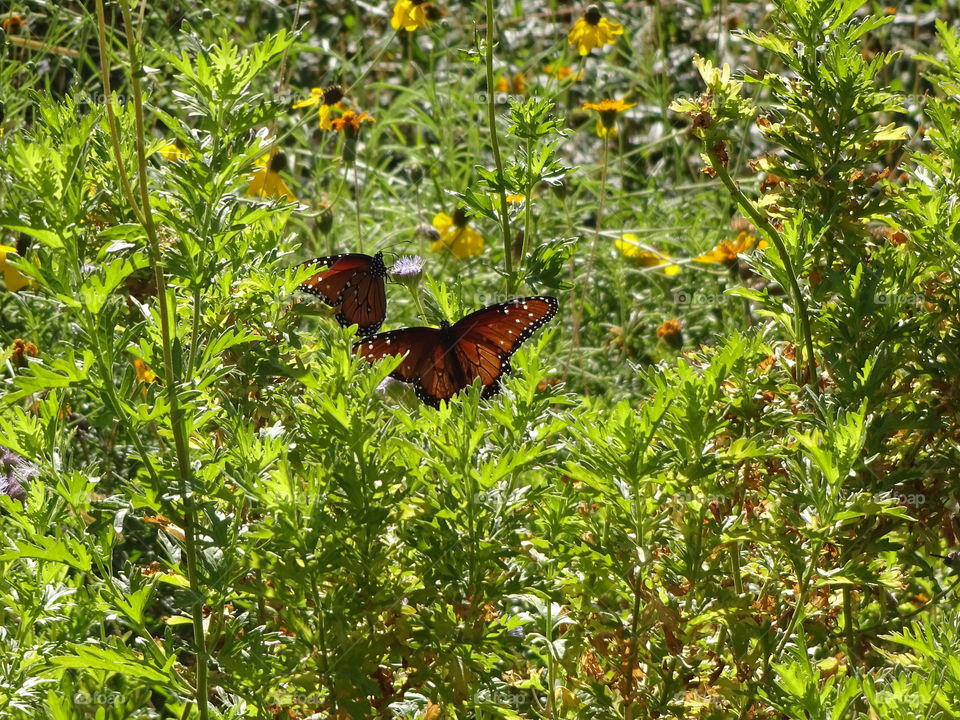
<point>440,362</point>
<point>353,284</point>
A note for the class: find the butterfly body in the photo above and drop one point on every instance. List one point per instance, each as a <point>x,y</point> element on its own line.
<point>354,285</point>
<point>440,362</point>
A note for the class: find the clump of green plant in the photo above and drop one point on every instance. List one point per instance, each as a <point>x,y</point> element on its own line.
<point>212,508</point>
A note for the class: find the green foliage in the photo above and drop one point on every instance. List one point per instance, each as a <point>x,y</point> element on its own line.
<point>710,493</point>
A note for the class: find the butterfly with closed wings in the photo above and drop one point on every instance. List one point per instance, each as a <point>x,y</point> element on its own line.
<point>440,362</point>
<point>353,284</point>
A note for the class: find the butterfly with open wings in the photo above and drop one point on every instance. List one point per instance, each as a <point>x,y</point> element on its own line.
<point>353,284</point>
<point>440,362</point>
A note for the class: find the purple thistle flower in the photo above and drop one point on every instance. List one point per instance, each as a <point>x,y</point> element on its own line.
<point>408,270</point>
<point>14,472</point>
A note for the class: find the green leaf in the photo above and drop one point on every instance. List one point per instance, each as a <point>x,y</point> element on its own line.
<point>63,550</point>
<point>120,660</point>
<point>47,237</point>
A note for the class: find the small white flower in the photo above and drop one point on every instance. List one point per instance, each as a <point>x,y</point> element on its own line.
<point>408,270</point>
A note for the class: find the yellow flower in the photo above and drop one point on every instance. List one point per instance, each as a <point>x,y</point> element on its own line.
<point>412,15</point>
<point>349,122</point>
<point>12,278</point>
<point>727,251</point>
<point>265,181</point>
<point>326,99</point>
<point>144,373</point>
<point>456,236</point>
<point>172,152</point>
<point>517,84</point>
<point>608,110</point>
<point>631,248</point>
<point>560,72</point>
<point>594,30</point>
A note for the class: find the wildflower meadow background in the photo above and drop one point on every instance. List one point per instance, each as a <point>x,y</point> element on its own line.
<point>720,483</point>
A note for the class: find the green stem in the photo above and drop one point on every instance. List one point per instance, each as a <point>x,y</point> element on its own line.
<point>849,630</point>
<point>106,367</point>
<point>111,116</point>
<point>495,146</point>
<point>527,218</point>
<point>318,608</point>
<point>764,225</point>
<point>197,291</point>
<point>600,207</point>
<point>372,64</point>
<point>593,252</point>
<point>634,640</point>
<point>184,475</point>
<point>419,302</point>
<point>356,199</point>
<point>798,609</point>
<point>735,568</point>
<point>551,664</point>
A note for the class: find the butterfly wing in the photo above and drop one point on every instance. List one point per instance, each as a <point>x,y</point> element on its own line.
<point>442,362</point>
<point>329,284</point>
<point>487,338</point>
<point>353,284</point>
<point>364,303</point>
<point>424,363</point>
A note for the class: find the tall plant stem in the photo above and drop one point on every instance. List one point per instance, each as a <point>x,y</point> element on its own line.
<point>527,218</point>
<point>356,200</point>
<point>198,290</point>
<point>800,303</point>
<point>849,630</point>
<point>578,311</point>
<point>735,568</point>
<point>634,639</point>
<point>600,206</point>
<point>167,318</point>
<point>495,146</point>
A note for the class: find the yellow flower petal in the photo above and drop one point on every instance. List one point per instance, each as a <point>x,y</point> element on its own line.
<point>728,250</point>
<point>12,278</point>
<point>442,221</point>
<point>144,373</point>
<point>172,152</point>
<point>631,248</point>
<point>587,36</point>
<point>325,112</point>
<point>316,94</point>
<point>603,130</point>
<point>408,16</point>
<point>266,183</point>
<point>461,242</point>
<point>608,29</point>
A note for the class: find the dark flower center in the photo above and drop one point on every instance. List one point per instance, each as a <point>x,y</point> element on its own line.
<point>592,15</point>
<point>332,95</point>
<point>460,218</point>
<point>608,118</point>
<point>278,162</point>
